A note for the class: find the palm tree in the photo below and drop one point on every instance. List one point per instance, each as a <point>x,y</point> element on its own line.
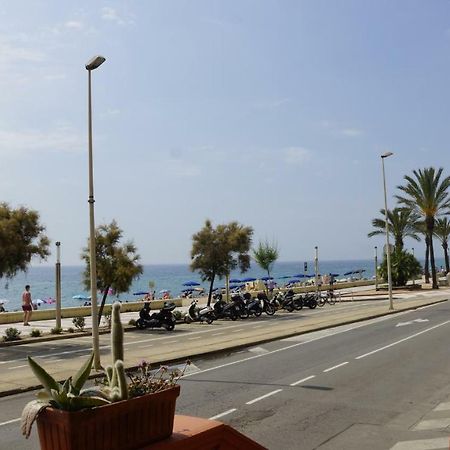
<point>427,194</point>
<point>402,224</point>
<point>442,232</point>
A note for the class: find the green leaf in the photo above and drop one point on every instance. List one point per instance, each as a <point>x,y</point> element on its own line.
<point>82,375</point>
<point>44,377</point>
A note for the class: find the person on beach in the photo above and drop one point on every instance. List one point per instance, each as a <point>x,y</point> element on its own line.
<point>27,306</point>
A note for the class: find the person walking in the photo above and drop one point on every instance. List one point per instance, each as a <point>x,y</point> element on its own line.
<point>27,306</point>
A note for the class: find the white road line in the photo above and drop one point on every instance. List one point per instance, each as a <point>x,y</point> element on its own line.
<point>429,306</point>
<point>192,338</point>
<point>403,340</point>
<point>263,397</point>
<point>17,367</point>
<point>422,444</point>
<point>146,346</point>
<point>218,416</point>
<point>171,342</point>
<point>442,407</point>
<point>9,421</point>
<point>217,334</point>
<point>335,367</point>
<point>236,331</point>
<point>433,424</point>
<point>302,380</point>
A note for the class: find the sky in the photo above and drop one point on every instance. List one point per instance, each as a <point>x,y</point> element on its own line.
<point>273,114</point>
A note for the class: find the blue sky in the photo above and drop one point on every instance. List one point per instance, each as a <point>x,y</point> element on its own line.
<point>270,113</point>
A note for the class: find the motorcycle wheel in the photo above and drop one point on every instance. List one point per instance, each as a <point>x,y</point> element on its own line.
<point>209,320</point>
<point>332,301</point>
<point>258,312</point>
<point>187,319</point>
<point>140,324</point>
<point>321,302</point>
<point>289,308</point>
<point>169,326</point>
<point>312,304</point>
<point>298,305</point>
<point>270,310</point>
<point>233,316</point>
<point>244,314</point>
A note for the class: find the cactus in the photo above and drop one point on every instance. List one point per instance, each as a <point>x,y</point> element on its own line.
<point>116,334</point>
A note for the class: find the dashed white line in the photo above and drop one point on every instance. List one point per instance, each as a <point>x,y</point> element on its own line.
<point>9,421</point>
<point>192,338</point>
<point>236,331</point>
<point>335,367</point>
<point>17,367</point>
<point>302,380</point>
<point>218,416</point>
<point>217,334</point>
<point>402,340</point>
<point>263,397</point>
<point>146,346</point>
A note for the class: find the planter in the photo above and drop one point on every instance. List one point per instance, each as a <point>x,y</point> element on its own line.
<point>126,425</point>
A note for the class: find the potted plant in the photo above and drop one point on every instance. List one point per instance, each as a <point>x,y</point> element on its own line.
<point>116,414</point>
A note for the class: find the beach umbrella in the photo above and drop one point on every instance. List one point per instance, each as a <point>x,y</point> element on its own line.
<point>285,277</point>
<point>81,297</point>
<point>191,283</point>
<point>235,280</point>
<point>164,291</point>
<point>302,275</point>
<point>140,293</point>
<point>294,280</point>
<point>333,274</point>
<point>246,280</point>
<point>266,278</point>
<point>354,272</point>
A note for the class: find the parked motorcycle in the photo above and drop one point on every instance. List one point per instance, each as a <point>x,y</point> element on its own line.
<point>162,319</point>
<point>267,307</point>
<point>253,305</point>
<point>285,301</point>
<point>240,305</point>
<point>309,300</point>
<point>197,314</point>
<point>224,310</point>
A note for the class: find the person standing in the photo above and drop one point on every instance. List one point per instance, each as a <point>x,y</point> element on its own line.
<point>27,306</point>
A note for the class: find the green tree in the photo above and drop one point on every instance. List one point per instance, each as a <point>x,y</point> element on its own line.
<point>402,224</point>
<point>217,251</point>
<point>265,255</point>
<point>442,232</point>
<point>427,194</point>
<point>404,266</point>
<point>21,239</point>
<point>117,265</point>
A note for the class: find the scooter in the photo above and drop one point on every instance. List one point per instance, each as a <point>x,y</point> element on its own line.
<point>162,319</point>
<point>224,310</point>
<point>309,300</point>
<point>196,314</point>
<point>240,305</point>
<point>253,305</point>
<point>286,301</point>
<point>267,307</point>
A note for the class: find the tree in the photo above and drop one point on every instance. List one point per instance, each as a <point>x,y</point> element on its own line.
<point>427,194</point>
<point>217,251</point>
<point>402,224</point>
<point>404,266</point>
<point>117,265</point>
<point>265,255</point>
<point>21,238</point>
<point>442,232</point>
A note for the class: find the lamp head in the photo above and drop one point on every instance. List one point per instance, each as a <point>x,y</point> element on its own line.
<point>95,62</point>
<point>386,155</point>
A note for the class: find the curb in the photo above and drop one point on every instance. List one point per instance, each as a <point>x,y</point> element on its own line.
<point>236,347</point>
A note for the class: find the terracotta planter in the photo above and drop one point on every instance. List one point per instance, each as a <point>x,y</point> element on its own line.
<point>125,425</point>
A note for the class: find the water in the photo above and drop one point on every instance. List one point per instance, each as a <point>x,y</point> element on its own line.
<point>171,277</point>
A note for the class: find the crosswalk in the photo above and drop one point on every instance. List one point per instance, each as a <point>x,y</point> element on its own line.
<point>437,420</point>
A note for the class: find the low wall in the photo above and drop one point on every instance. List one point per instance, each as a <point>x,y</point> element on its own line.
<point>81,311</point>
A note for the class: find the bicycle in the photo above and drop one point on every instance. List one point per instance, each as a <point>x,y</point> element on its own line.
<point>329,298</point>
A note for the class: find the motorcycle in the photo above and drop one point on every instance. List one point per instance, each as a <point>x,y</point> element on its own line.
<point>253,305</point>
<point>309,300</point>
<point>240,305</point>
<point>267,307</point>
<point>196,314</point>
<point>162,319</point>
<point>287,301</point>
<point>224,310</point>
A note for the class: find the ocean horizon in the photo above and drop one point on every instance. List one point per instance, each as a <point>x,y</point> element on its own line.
<point>165,277</point>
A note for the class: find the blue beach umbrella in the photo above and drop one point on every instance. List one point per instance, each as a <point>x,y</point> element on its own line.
<point>191,283</point>
<point>246,280</point>
<point>294,280</point>
<point>354,272</point>
<point>285,277</point>
<point>81,297</point>
<point>235,280</point>
<point>140,293</point>
<point>266,278</point>
<point>302,275</point>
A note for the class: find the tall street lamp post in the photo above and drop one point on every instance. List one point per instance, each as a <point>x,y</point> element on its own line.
<point>58,284</point>
<point>414,277</point>
<point>316,269</point>
<point>91,65</point>
<point>388,248</point>
<point>376,268</point>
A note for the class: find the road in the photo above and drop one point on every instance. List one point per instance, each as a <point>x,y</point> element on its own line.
<point>364,385</point>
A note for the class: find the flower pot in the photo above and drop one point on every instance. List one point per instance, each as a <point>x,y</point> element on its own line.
<point>126,425</point>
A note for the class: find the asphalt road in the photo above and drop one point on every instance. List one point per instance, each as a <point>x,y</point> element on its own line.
<point>358,386</point>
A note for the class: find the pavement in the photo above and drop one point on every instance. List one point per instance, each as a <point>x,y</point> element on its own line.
<point>62,357</point>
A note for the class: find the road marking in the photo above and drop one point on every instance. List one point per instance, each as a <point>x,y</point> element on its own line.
<point>17,367</point>
<point>257,326</point>
<point>171,342</point>
<point>402,340</point>
<point>146,346</point>
<point>237,331</point>
<point>263,397</point>
<point>9,421</point>
<point>218,334</point>
<point>192,338</point>
<point>402,324</point>
<point>422,444</point>
<point>335,367</point>
<point>302,380</point>
<point>429,306</point>
<point>433,424</point>
<point>218,416</point>
<point>442,407</point>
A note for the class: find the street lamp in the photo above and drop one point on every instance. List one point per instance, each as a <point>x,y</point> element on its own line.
<point>91,65</point>
<point>388,249</point>
<point>58,284</point>
<point>414,277</point>
<point>316,269</point>
<point>376,268</point>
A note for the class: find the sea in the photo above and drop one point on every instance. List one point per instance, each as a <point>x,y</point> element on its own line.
<point>169,277</point>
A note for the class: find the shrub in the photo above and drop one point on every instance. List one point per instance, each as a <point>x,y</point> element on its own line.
<point>56,330</point>
<point>71,330</point>
<point>11,334</point>
<point>35,332</point>
<point>132,322</point>
<point>404,267</point>
<point>79,323</point>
